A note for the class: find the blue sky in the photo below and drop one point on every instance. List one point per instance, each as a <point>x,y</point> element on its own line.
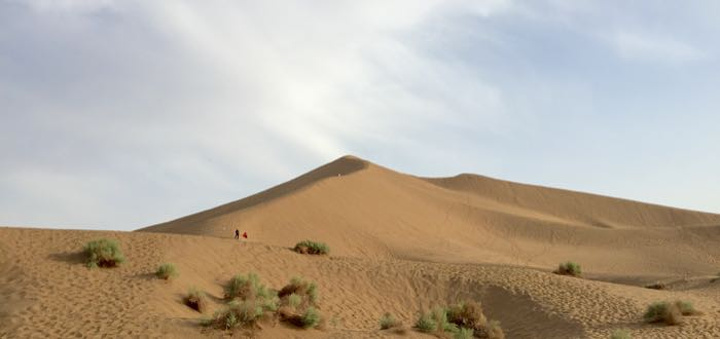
<point>121,114</point>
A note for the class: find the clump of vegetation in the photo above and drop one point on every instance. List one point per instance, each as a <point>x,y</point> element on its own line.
<point>103,253</point>
<point>240,314</point>
<point>569,268</point>
<point>462,320</point>
<point>298,303</point>
<point>656,286</point>
<point>669,313</point>
<point>311,247</point>
<point>250,302</point>
<point>166,271</point>
<point>621,334</point>
<point>247,287</point>
<point>196,299</point>
<point>388,321</point>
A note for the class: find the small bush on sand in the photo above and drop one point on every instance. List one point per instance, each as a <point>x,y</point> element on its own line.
<point>247,287</point>
<point>426,323</point>
<point>493,330</point>
<point>467,315</point>
<point>464,333</point>
<point>569,268</point>
<point>167,272</point>
<point>103,253</point>
<point>388,321</point>
<point>196,299</point>
<point>461,319</point>
<point>310,318</point>
<point>656,286</point>
<point>298,304</point>
<point>311,247</point>
<point>621,334</point>
<point>240,314</point>
<point>669,313</point>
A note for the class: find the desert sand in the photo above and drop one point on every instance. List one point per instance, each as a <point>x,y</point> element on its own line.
<point>399,243</point>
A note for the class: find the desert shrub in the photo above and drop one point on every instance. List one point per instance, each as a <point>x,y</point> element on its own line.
<point>656,286</point>
<point>306,290</point>
<point>166,271</point>
<point>103,253</point>
<point>311,318</point>
<point>464,333</point>
<point>239,314</point>
<point>298,304</point>
<point>621,334</point>
<point>426,323</point>
<point>468,315</point>
<point>669,313</point>
<point>569,268</point>
<point>388,321</point>
<point>311,247</point>
<point>196,300</point>
<point>247,287</point>
<point>493,330</point>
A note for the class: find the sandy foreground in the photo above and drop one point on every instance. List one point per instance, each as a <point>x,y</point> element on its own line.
<point>399,244</point>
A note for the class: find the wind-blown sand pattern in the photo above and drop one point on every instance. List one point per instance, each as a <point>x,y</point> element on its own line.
<point>399,244</point>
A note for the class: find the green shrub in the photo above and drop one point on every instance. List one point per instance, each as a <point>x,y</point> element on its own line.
<point>239,314</point>
<point>311,247</point>
<point>298,302</point>
<point>306,290</point>
<point>663,312</point>
<point>103,253</point>
<point>196,300</point>
<point>247,287</point>
<point>311,318</point>
<point>569,268</point>
<point>468,315</point>
<point>669,313</point>
<point>388,321</point>
<point>464,333</point>
<point>294,300</point>
<point>167,272</point>
<point>426,323</point>
<point>621,334</point>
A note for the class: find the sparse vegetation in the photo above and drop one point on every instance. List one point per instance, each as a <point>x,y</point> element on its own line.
<point>240,314</point>
<point>196,299</point>
<point>247,287</point>
<point>656,286</point>
<point>669,313</point>
<point>167,271</point>
<point>621,334</point>
<point>103,253</point>
<point>569,268</point>
<point>388,321</point>
<point>311,247</point>
<point>462,320</point>
<point>298,303</point>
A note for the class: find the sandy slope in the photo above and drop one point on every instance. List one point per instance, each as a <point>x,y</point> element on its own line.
<point>399,244</point>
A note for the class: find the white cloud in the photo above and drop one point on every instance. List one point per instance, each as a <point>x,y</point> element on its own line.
<point>644,47</point>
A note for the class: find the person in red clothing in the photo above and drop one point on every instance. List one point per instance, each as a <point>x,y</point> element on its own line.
<point>245,235</point>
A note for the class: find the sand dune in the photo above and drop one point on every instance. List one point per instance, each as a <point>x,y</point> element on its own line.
<point>399,244</point>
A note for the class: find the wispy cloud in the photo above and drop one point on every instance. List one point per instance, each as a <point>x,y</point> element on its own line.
<point>644,47</point>
<point>144,111</point>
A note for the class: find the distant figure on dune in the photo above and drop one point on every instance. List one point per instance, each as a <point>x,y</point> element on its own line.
<point>237,234</point>
<point>245,235</point>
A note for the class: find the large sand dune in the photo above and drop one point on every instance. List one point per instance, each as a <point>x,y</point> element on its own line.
<point>399,243</point>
